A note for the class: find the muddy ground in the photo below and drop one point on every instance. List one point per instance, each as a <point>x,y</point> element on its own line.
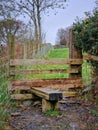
<point>73,115</point>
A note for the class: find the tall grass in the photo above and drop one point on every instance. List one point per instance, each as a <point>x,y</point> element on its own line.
<point>4,96</point>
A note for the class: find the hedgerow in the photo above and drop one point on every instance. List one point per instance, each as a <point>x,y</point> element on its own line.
<point>86,36</point>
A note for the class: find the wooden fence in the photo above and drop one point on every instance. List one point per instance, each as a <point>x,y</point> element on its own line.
<point>23,71</point>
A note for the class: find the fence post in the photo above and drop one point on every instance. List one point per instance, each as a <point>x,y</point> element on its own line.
<point>74,53</point>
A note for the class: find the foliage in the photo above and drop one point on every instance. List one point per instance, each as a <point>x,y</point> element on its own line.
<point>4,95</point>
<point>4,103</point>
<point>86,34</point>
<point>86,72</point>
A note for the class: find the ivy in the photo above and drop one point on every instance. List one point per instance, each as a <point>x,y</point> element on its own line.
<point>86,35</point>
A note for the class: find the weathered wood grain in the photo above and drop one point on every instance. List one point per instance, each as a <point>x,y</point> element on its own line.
<point>47,82</point>
<point>55,71</point>
<point>19,88</point>
<point>46,93</point>
<point>90,57</point>
<point>21,96</point>
<point>69,94</point>
<point>18,62</point>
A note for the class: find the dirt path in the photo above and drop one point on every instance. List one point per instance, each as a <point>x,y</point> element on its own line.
<point>73,116</point>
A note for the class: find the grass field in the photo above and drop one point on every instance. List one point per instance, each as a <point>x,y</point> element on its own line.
<point>64,53</point>
<point>55,53</point>
<point>59,53</point>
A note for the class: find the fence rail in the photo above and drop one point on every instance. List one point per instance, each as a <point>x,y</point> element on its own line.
<point>90,57</point>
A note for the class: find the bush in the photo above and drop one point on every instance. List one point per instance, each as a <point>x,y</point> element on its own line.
<point>86,35</point>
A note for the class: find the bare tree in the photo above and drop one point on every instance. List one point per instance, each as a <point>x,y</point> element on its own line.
<point>8,9</point>
<point>62,37</point>
<point>35,8</point>
<point>8,30</point>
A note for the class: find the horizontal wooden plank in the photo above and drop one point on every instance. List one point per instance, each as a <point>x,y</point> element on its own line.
<point>48,82</point>
<point>90,57</point>
<point>21,96</point>
<point>18,62</point>
<point>69,94</point>
<point>46,93</point>
<point>62,87</point>
<point>19,88</point>
<point>56,71</point>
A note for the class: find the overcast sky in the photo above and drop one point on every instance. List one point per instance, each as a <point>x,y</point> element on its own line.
<point>65,17</point>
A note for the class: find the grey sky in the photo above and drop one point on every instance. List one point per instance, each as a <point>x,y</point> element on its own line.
<point>66,17</point>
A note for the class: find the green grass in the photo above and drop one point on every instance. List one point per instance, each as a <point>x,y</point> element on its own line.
<point>94,112</point>
<point>86,72</point>
<point>59,53</point>
<point>4,102</point>
<point>52,113</point>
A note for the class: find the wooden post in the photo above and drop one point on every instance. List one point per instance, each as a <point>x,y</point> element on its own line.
<point>74,53</point>
<point>49,105</point>
<point>11,42</point>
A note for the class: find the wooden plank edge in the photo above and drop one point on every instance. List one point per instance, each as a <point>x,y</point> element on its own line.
<point>69,94</point>
<point>21,96</point>
<point>17,62</point>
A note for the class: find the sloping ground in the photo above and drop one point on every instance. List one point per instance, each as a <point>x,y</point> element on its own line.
<point>73,115</point>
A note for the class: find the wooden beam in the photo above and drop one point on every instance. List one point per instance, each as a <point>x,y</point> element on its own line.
<point>90,57</point>
<point>56,71</point>
<point>49,105</point>
<point>69,94</point>
<point>21,96</point>
<point>18,62</point>
<point>23,87</point>
<point>46,82</point>
<point>46,93</point>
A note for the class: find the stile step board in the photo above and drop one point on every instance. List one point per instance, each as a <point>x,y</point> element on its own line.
<point>21,96</point>
<point>46,93</point>
<point>69,94</point>
<point>48,96</point>
<point>19,88</point>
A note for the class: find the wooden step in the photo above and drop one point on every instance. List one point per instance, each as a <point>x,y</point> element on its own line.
<point>46,93</point>
<point>69,94</point>
<point>21,96</point>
